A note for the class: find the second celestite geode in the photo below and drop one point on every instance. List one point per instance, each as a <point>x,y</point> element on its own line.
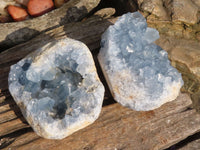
<point>57,88</point>
<point>138,71</point>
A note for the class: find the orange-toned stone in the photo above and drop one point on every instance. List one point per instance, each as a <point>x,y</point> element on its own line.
<point>39,7</point>
<point>17,13</point>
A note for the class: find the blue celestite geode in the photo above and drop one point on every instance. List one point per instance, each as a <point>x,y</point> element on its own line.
<point>138,71</point>
<point>57,88</point>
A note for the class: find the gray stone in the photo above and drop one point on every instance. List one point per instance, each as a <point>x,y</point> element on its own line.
<point>57,88</point>
<point>138,72</point>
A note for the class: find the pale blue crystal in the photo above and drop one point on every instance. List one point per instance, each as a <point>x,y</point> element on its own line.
<point>138,71</point>
<point>57,88</point>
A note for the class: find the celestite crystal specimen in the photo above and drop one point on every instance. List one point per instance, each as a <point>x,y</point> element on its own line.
<point>57,88</point>
<point>138,72</point>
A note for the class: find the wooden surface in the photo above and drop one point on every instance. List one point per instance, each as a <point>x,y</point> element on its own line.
<point>116,128</point>
<point>18,32</point>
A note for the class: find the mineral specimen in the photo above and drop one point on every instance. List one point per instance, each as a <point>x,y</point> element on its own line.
<point>138,72</point>
<point>57,88</point>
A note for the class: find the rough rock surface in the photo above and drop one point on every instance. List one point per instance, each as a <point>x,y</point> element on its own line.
<point>138,72</point>
<point>57,88</point>
<point>185,11</point>
<point>155,7</point>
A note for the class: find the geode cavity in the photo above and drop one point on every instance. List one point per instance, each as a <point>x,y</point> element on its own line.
<point>57,88</point>
<point>138,71</point>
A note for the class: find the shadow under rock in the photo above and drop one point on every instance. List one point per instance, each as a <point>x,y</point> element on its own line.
<point>18,37</point>
<point>121,6</point>
<point>10,138</point>
<point>108,99</point>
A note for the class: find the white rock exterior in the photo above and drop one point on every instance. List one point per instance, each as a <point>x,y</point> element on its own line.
<point>57,88</point>
<point>138,72</point>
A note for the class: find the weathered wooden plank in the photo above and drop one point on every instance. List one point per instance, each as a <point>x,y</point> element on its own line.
<point>12,125</point>
<point>11,118</point>
<point>2,99</point>
<point>18,32</point>
<point>88,32</point>
<point>8,116</point>
<point>121,128</point>
<point>4,108</point>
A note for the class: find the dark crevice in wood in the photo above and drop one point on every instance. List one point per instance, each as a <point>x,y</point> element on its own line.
<point>184,142</point>
<point>187,109</point>
<point>26,143</point>
<point>7,101</point>
<point>10,138</point>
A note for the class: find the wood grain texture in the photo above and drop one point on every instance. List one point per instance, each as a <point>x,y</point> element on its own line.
<point>121,128</point>
<point>18,32</point>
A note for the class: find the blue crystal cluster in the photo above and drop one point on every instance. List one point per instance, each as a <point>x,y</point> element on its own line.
<point>138,71</point>
<point>57,88</point>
